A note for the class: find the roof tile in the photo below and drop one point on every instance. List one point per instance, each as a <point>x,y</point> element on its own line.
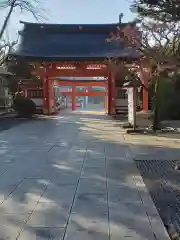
<point>70,42</point>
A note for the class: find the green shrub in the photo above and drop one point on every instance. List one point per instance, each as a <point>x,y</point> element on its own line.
<point>169,100</point>
<point>24,106</point>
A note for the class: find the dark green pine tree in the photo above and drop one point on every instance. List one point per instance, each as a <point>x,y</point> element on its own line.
<point>21,70</point>
<point>161,10</point>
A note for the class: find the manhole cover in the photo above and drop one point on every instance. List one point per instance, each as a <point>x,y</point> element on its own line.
<point>163,184</point>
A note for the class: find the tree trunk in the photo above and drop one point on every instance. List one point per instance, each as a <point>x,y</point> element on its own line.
<point>134,108</point>
<point>156,118</point>
<point>6,20</point>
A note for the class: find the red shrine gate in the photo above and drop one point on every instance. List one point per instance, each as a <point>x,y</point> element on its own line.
<point>50,72</point>
<point>70,50</point>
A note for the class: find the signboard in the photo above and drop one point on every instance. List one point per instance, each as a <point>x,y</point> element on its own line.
<point>131,106</point>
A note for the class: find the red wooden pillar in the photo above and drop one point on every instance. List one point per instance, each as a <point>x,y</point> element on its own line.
<point>73,98</point>
<point>47,87</point>
<point>109,95</point>
<point>106,96</point>
<point>145,78</point>
<point>53,97</point>
<point>137,96</point>
<point>89,89</point>
<point>46,100</point>
<point>112,94</point>
<point>145,97</point>
<point>48,95</point>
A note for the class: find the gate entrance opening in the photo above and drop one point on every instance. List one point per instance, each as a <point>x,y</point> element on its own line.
<point>83,93</point>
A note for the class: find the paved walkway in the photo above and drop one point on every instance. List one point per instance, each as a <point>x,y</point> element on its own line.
<point>72,177</point>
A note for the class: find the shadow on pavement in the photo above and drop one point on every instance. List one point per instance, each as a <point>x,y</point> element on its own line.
<point>76,180</point>
<point>7,122</point>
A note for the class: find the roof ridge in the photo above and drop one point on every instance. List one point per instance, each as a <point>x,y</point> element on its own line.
<point>76,24</point>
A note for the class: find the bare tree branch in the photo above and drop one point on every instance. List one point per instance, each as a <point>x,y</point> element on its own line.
<point>5,48</point>
<point>159,42</point>
<point>30,6</point>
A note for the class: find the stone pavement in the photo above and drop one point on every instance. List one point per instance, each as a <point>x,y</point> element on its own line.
<point>72,177</point>
<point>6,111</point>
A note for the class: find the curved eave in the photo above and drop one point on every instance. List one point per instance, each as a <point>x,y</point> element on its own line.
<point>72,58</point>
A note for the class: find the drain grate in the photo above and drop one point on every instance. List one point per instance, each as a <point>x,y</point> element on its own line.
<point>163,184</point>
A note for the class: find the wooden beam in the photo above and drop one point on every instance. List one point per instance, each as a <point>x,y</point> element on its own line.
<point>70,63</point>
<point>92,94</point>
<point>66,83</point>
<point>54,73</point>
<point>31,88</point>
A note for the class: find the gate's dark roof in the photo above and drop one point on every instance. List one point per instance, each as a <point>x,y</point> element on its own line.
<point>60,42</point>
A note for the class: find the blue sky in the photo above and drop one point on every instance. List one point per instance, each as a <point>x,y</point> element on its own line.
<point>73,11</point>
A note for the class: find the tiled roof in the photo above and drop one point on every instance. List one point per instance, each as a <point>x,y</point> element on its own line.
<point>71,42</point>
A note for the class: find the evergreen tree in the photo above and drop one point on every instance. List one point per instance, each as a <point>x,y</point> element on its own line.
<point>161,10</point>
<point>21,70</point>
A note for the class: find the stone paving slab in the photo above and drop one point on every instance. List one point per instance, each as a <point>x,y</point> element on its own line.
<point>51,215</point>
<point>93,172</point>
<point>88,185</point>
<point>24,198</point>
<point>5,190</point>
<point>11,225</point>
<point>94,206</point>
<point>81,227</point>
<point>60,194</point>
<point>41,233</point>
<point>73,177</point>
